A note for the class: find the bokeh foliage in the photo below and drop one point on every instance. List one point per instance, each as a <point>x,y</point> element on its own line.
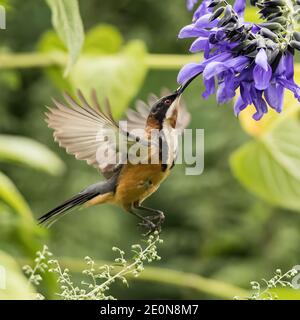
<point>269,164</point>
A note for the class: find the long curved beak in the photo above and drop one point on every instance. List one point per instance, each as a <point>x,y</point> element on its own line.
<point>182,87</point>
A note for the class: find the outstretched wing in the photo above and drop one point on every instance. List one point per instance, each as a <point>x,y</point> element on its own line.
<point>82,130</point>
<point>137,118</point>
<point>91,133</point>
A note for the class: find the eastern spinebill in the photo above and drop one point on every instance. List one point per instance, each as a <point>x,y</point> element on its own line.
<point>79,127</point>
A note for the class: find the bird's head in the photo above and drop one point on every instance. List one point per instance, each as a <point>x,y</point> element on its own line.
<point>162,108</point>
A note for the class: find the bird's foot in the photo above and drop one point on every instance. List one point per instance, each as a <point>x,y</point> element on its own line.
<point>153,222</point>
<point>148,225</point>
<point>158,218</point>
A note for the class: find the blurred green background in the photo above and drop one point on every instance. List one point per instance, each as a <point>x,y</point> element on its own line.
<point>214,226</point>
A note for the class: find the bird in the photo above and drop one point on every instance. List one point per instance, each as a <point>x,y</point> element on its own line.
<point>81,128</point>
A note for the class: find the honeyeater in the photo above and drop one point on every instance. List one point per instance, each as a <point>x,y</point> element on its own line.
<point>82,129</point>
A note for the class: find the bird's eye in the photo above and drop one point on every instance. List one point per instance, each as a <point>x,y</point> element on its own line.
<point>167,102</point>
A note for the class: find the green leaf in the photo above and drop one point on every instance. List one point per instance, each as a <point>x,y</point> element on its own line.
<point>28,152</point>
<point>27,230</point>
<point>4,3</point>
<point>14,285</point>
<point>284,145</point>
<point>116,77</point>
<point>11,195</point>
<point>50,42</point>
<point>103,39</point>
<point>267,167</point>
<point>115,71</point>
<point>67,22</point>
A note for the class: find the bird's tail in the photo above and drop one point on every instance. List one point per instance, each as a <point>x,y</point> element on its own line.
<point>50,217</point>
<point>101,188</point>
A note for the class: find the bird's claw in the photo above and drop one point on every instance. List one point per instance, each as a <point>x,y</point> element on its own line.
<point>159,218</point>
<point>153,223</point>
<point>149,225</point>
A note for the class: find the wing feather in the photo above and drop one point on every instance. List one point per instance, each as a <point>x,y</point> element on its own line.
<point>80,129</point>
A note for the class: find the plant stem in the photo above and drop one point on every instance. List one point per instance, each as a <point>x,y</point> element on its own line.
<point>170,61</point>
<point>182,279</point>
<point>123,271</point>
<point>41,60</point>
<point>30,60</point>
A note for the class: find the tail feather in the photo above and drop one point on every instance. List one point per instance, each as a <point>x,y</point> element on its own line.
<point>102,187</point>
<point>50,217</point>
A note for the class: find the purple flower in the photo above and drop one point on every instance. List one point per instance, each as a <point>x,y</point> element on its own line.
<point>241,56</point>
<point>190,4</point>
<point>239,7</point>
<point>272,85</point>
<point>202,10</point>
<point>262,72</point>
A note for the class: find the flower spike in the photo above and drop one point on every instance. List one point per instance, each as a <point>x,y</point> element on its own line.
<point>256,59</point>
